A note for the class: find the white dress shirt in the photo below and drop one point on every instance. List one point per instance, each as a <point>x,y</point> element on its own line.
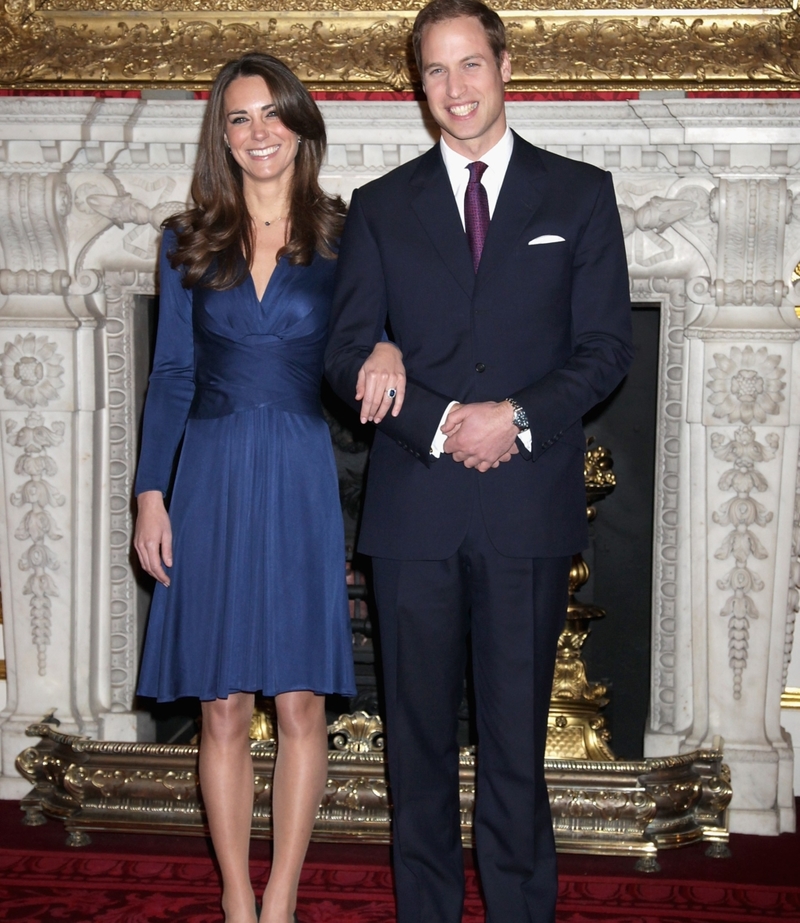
<point>497,160</point>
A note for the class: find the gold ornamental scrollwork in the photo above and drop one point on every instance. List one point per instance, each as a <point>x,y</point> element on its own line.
<point>606,807</point>
<point>362,44</point>
<point>357,733</point>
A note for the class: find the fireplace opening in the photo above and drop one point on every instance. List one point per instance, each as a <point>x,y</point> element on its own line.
<point>620,553</point>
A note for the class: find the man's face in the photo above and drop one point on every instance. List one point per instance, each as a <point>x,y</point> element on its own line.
<point>464,85</point>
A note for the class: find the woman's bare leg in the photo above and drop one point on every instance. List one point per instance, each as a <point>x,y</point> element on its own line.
<point>301,771</point>
<point>226,784</point>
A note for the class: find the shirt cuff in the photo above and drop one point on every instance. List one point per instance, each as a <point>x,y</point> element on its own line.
<point>525,439</point>
<point>437,446</point>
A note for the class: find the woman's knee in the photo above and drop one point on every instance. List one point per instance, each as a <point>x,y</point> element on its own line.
<point>300,713</point>
<point>228,719</point>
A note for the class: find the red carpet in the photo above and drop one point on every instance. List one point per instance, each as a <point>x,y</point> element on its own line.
<point>148,879</point>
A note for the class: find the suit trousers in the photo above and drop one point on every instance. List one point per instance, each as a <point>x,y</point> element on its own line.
<point>514,610</point>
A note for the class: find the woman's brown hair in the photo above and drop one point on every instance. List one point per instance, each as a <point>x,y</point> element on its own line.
<point>216,231</point>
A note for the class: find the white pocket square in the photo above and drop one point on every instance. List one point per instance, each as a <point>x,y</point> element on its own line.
<point>546,239</point>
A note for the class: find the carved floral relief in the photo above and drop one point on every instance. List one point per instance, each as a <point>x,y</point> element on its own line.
<point>746,385</point>
<point>37,526</point>
<point>32,370</point>
<point>742,513</point>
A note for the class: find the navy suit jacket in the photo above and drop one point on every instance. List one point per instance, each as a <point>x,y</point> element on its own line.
<point>547,324</point>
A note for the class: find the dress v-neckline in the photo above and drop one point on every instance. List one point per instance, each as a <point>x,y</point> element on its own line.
<point>269,282</point>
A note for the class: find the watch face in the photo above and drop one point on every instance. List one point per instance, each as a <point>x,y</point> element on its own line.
<point>520,419</point>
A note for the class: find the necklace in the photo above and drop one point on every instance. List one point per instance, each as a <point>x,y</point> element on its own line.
<point>274,221</point>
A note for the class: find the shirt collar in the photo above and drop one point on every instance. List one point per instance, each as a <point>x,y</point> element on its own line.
<point>496,160</point>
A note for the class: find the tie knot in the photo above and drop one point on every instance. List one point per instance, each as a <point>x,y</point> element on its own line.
<point>476,170</point>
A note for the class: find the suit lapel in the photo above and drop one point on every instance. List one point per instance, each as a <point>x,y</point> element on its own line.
<point>520,196</point>
<point>432,201</point>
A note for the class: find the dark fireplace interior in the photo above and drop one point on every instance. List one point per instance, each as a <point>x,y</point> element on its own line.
<point>617,652</point>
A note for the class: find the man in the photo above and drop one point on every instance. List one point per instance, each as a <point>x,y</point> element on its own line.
<point>509,335</point>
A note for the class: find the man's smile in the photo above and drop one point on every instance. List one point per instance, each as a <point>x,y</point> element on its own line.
<point>462,109</point>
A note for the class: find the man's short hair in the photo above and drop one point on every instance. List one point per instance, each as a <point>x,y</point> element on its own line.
<point>443,10</point>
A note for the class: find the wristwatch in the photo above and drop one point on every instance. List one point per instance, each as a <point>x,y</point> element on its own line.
<point>520,417</point>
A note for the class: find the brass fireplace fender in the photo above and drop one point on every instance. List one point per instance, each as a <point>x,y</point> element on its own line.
<point>602,807</point>
<point>362,44</point>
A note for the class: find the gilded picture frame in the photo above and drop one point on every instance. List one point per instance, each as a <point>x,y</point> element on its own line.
<point>335,45</point>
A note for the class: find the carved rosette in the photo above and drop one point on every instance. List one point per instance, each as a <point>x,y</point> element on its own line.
<point>742,512</point>
<point>37,525</point>
<point>32,370</point>
<point>746,385</point>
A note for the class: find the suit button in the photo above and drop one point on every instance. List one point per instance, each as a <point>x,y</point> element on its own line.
<point>480,367</point>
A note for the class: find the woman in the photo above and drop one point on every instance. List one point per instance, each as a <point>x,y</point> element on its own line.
<point>250,560</point>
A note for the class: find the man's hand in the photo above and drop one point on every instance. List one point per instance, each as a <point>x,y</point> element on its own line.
<point>481,435</point>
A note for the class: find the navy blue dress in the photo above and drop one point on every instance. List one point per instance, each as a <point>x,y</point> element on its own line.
<point>257,599</point>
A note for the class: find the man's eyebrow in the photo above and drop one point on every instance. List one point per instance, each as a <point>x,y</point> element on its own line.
<point>470,57</point>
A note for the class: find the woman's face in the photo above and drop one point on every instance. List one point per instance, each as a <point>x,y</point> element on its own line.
<point>260,143</point>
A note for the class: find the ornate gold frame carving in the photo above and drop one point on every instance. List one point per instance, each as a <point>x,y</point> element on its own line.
<point>618,808</point>
<point>361,44</point>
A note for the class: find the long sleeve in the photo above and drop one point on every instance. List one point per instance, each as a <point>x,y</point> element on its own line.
<point>171,389</point>
<point>358,321</point>
<point>601,331</point>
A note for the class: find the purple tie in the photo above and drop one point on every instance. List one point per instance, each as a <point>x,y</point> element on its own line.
<point>476,211</point>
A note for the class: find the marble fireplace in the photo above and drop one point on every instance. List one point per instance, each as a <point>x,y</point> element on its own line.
<point>709,195</point>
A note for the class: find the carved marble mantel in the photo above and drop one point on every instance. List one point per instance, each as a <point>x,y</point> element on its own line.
<point>707,192</point>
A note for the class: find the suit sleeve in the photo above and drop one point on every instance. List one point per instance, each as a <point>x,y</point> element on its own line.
<point>601,330</point>
<point>358,321</point>
<point>171,388</point>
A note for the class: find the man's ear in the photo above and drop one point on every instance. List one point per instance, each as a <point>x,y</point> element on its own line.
<point>505,66</point>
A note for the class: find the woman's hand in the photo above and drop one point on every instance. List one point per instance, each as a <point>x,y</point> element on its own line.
<point>152,538</point>
<point>382,372</point>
